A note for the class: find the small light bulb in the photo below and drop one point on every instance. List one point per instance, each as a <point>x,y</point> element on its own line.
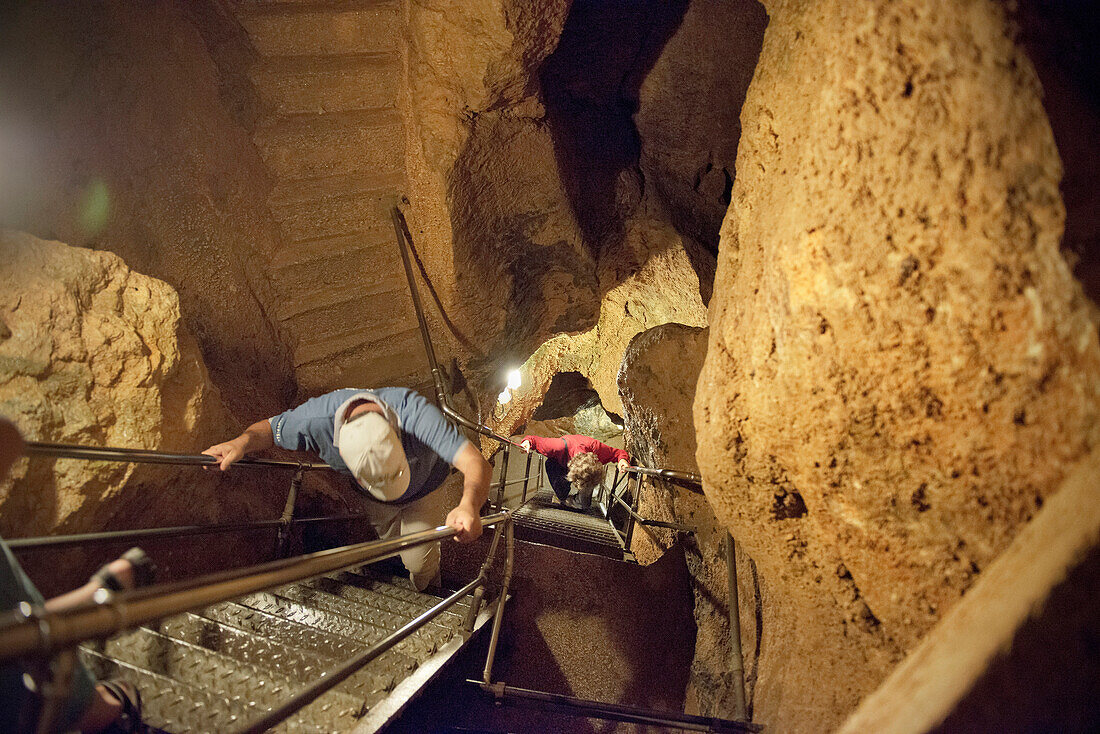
<point>504,397</point>
<point>514,380</point>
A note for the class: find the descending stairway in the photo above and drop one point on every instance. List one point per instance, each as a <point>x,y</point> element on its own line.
<point>218,668</point>
<point>332,138</point>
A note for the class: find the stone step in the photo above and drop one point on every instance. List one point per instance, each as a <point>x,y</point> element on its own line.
<point>200,667</point>
<point>313,145</point>
<point>357,292</point>
<point>281,655</point>
<point>316,84</point>
<point>372,246</point>
<point>301,190</point>
<point>400,361</point>
<point>336,215</point>
<point>418,646</point>
<point>310,28</point>
<point>328,340</point>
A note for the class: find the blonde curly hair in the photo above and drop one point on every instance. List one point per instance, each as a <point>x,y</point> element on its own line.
<point>585,472</point>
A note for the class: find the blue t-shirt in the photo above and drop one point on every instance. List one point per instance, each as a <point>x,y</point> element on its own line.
<point>430,440</point>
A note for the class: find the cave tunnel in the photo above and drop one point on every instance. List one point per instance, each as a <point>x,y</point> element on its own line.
<point>834,263</point>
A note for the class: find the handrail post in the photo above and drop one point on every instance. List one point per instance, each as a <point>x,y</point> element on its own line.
<point>526,477</point>
<point>634,507</point>
<point>503,478</point>
<point>542,473</point>
<point>479,592</point>
<point>487,674</point>
<point>609,492</point>
<point>288,513</point>
<point>738,663</point>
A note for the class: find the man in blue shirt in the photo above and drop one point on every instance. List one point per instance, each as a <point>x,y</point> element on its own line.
<point>397,446</point>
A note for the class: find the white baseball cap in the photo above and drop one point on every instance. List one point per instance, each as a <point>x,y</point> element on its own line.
<point>372,450</point>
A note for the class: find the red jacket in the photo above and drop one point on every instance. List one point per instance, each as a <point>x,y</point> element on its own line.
<point>565,448</point>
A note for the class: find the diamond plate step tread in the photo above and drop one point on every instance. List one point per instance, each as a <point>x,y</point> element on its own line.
<point>169,704</point>
<point>352,588</point>
<point>172,706</point>
<point>282,657</point>
<point>414,646</point>
<point>200,667</point>
<point>372,578</point>
<point>327,645</point>
<point>384,613</point>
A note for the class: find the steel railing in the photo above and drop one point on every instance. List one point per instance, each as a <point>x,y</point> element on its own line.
<point>31,630</point>
<point>145,456</point>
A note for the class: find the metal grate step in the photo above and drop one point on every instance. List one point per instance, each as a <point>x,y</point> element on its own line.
<point>220,667</point>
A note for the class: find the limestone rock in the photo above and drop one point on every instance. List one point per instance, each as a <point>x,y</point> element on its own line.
<point>651,258</point>
<point>93,353</point>
<point>657,400</point>
<point>689,110</point>
<point>901,366</point>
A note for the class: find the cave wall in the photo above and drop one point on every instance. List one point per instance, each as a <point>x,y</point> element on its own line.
<point>527,167</point>
<point>116,367</point>
<point>901,365</point>
<point>660,433</point>
<point>121,133</point>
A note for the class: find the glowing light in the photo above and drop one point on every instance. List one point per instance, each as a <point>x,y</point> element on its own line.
<point>514,380</point>
<point>504,397</point>
<point>95,207</point>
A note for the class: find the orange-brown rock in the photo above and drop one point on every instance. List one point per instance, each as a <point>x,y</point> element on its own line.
<point>123,134</point>
<point>901,366</point>
<point>657,404</point>
<point>94,353</point>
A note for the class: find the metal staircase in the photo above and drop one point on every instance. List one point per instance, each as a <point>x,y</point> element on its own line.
<point>217,668</point>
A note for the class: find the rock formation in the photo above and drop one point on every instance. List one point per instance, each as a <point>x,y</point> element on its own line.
<point>93,353</point>
<point>657,402</point>
<point>900,366</point>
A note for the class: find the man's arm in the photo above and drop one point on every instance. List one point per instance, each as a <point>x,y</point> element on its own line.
<point>466,518</point>
<point>256,437</point>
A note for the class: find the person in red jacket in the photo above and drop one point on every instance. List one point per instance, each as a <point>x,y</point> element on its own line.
<point>577,462</point>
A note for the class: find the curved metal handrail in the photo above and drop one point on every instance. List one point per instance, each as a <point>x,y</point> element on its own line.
<point>32,630</point>
<point>437,375</point>
<point>687,480</point>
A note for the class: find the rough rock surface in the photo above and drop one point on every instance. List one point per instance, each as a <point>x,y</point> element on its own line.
<point>689,110</point>
<point>657,402</point>
<point>532,222</point>
<point>94,353</point>
<point>1017,653</point>
<point>125,137</point>
<point>651,258</point>
<point>901,366</point>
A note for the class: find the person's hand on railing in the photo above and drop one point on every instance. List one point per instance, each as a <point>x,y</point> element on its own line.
<point>227,453</point>
<point>623,465</point>
<point>525,445</point>
<point>466,522</point>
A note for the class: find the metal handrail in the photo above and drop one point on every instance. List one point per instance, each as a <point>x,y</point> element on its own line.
<point>145,456</point>
<point>344,670</point>
<point>33,630</point>
<point>687,480</point>
<point>125,536</point>
<point>437,375</point>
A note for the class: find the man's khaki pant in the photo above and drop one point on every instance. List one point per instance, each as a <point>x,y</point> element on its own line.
<point>426,513</point>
